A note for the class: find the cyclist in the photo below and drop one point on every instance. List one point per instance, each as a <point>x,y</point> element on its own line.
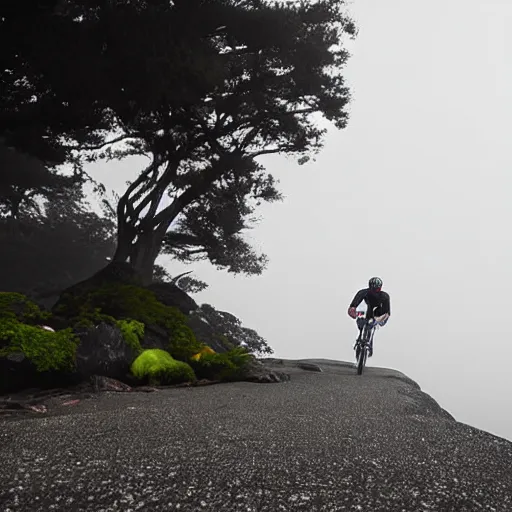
<point>378,306</point>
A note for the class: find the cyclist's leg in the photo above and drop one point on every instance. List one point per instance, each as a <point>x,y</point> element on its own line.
<point>360,325</point>
<point>370,345</point>
<point>371,313</point>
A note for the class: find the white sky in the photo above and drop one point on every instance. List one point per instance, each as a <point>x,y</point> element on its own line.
<point>415,190</point>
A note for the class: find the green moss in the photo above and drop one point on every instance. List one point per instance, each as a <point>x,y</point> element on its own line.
<point>158,367</point>
<point>81,311</point>
<point>15,306</point>
<point>133,333</point>
<point>47,350</point>
<point>226,366</point>
<point>128,302</point>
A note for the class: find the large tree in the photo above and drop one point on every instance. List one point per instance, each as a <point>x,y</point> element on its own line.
<point>203,88</point>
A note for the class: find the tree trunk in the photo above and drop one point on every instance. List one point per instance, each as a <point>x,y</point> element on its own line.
<point>144,254</point>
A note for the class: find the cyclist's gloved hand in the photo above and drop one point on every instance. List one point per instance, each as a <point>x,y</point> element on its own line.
<point>352,312</point>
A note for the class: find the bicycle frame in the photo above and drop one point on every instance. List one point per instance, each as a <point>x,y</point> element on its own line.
<point>364,341</point>
<point>367,332</point>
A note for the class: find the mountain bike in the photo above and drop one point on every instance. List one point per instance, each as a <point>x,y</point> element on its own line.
<point>364,342</point>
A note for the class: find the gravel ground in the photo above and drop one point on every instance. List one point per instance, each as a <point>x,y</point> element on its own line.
<point>329,441</point>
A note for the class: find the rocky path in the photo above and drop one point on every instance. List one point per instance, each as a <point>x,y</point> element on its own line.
<point>324,441</point>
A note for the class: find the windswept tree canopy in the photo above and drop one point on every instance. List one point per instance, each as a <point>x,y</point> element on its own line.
<point>203,88</point>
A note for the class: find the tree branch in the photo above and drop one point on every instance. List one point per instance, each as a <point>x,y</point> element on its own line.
<point>124,206</point>
<point>196,251</point>
<point>182,239</point>
<point>161,186</point>
<point>204,180</point>
<point>107,143</point>
<point>289,147</point>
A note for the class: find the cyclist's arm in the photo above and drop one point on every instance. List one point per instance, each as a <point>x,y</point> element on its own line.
<point>386,304</point>
<point>358,298</point>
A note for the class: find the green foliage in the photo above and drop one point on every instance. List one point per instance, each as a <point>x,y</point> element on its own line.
<point>228,329</point>
<point>158,367</point>
<point>15,306</point>
<point>225,367</point>
<point>133,333</point>
<point>129,302</point>
<point>45,349</point>
<point>80,310</point>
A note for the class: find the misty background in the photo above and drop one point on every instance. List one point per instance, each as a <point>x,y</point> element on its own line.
<point>416,191</point>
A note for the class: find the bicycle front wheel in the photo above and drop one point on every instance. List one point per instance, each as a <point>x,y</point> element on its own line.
<point>361,360</point>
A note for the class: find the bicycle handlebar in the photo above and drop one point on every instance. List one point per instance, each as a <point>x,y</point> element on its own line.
<point>376,322</point>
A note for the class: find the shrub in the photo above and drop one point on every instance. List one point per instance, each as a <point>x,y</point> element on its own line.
<point>225,367</point>
<point>158,367</point>
<point>15,306</point>
<point>205,350</point>
<point>47,350</point>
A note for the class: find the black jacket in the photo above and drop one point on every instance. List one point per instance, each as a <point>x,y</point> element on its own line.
<point>373,300</point>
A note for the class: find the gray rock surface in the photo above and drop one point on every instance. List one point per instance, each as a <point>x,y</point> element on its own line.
<point>329,441</point>
<point>103,351</point>
<point>310,367</point>
<point>264,374</point>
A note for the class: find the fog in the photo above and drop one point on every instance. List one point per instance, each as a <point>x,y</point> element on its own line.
<point>415,190</point>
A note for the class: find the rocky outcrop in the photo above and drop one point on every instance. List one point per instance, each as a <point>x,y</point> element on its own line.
<point>310,367</point>
<point>256,371</point>
<point>170,295</point>
<point>103,351</point>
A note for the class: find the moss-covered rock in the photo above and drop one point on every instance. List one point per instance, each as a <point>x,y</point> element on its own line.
<point>159,367</point>
<point>15,306</point>
<point>47,350</point>
<point>31,356</point>
<point>133,333</point>
<point>129,302</point>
